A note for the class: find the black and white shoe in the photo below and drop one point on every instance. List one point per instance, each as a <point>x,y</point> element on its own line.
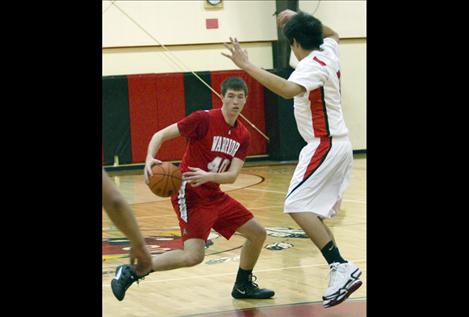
<point>125,276</point>
<point>251,290</point>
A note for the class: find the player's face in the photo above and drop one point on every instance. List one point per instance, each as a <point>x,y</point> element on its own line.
<point>234,101</point>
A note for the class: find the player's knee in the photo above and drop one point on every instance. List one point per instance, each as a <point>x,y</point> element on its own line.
<point>258,235</point>
<point>262,234</point>
<point>194,258</point>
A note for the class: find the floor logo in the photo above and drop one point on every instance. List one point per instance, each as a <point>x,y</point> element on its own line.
<point>279,246</point>
<point>286,232</point>
<point>223,260</point>
<point>114,248</point>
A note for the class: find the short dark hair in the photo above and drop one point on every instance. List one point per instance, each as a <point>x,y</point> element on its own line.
<point>234,83</point>
<point>306,29</point>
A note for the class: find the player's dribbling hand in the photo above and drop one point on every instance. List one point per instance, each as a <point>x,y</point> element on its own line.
<point>238,55</point>
<point>150,161</point>
<point>284,16</point>
<point>143,257</point>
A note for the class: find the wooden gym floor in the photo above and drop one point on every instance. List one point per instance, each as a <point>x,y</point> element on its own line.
<point>298,274</point>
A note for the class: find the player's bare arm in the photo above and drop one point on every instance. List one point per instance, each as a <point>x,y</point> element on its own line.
<point>278,85</point>
<point>168,133</point>
<point>119,211</point>
<point>197,176</point>
<point>123,218</point>
<point>328,32</point>
<point>285,15</point>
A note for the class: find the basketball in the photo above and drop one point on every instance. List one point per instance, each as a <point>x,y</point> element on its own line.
<point>166,179</point>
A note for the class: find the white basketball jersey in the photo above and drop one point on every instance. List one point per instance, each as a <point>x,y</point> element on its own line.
<point>318,112</point>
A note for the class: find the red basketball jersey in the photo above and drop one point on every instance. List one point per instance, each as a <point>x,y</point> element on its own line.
<point>212,144</point>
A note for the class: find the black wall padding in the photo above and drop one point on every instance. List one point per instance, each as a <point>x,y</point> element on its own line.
<point>116,123</point>
<point>197,95</point>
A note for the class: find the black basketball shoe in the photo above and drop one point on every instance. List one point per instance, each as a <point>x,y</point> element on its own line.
<point>250,289</point>
<point>125,276</point>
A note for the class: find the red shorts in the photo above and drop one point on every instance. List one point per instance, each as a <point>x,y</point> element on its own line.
<point>197,218</point>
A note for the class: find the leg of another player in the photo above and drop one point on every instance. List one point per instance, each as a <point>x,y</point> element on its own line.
<point>331,235</point>
<point>337,209</point>
<point>344,275</point>
<point>313,227</point>
<point>192,254</point>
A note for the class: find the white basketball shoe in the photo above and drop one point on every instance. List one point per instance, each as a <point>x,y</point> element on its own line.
<point>343,282</point>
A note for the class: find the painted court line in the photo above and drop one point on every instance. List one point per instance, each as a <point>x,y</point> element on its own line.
<point>283,193</point>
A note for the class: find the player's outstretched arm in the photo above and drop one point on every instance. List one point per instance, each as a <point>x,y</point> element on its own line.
<point>119,211</point>
<point>284,16</point>
<point>277,84</point>
<point>121,215</point>
<point>328,32</point>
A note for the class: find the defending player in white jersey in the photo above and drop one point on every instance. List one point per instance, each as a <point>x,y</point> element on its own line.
<point>325,163</point>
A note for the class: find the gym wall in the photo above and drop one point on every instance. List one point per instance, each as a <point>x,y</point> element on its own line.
<point>130,55</point>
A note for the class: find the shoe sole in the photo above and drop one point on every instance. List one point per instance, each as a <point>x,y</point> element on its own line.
<point>354,277</point>
<point>251,297</point>
<point>355,285</point>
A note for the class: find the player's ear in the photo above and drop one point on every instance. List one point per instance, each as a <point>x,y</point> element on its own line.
<point>295,43</point>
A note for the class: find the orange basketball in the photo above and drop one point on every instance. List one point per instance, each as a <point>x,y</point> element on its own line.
<point>166,179</point>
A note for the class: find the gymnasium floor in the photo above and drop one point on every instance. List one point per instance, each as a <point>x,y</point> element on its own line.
<point>290,264</point>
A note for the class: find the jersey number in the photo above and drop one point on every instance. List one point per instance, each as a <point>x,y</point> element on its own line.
<point>218,165</point>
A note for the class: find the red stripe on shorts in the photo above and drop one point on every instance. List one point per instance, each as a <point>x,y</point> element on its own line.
<point>318,156</point>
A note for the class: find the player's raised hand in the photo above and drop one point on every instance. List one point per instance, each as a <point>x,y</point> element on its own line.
<point>238,55</point>
<point>284,16</point>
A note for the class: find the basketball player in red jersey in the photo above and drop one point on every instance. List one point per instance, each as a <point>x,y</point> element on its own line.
<point>215,153</point>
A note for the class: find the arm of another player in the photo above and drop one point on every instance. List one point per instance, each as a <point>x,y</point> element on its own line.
<point>121,215</point>
<point>197,176</point>
<point>168,133</point>
<point>277,84</point>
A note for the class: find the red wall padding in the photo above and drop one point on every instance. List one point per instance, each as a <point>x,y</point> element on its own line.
<point>253,110</point>
<point>155,101</point>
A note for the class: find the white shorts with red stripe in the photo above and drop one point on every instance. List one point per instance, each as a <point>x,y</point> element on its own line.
<point>321,176</point>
